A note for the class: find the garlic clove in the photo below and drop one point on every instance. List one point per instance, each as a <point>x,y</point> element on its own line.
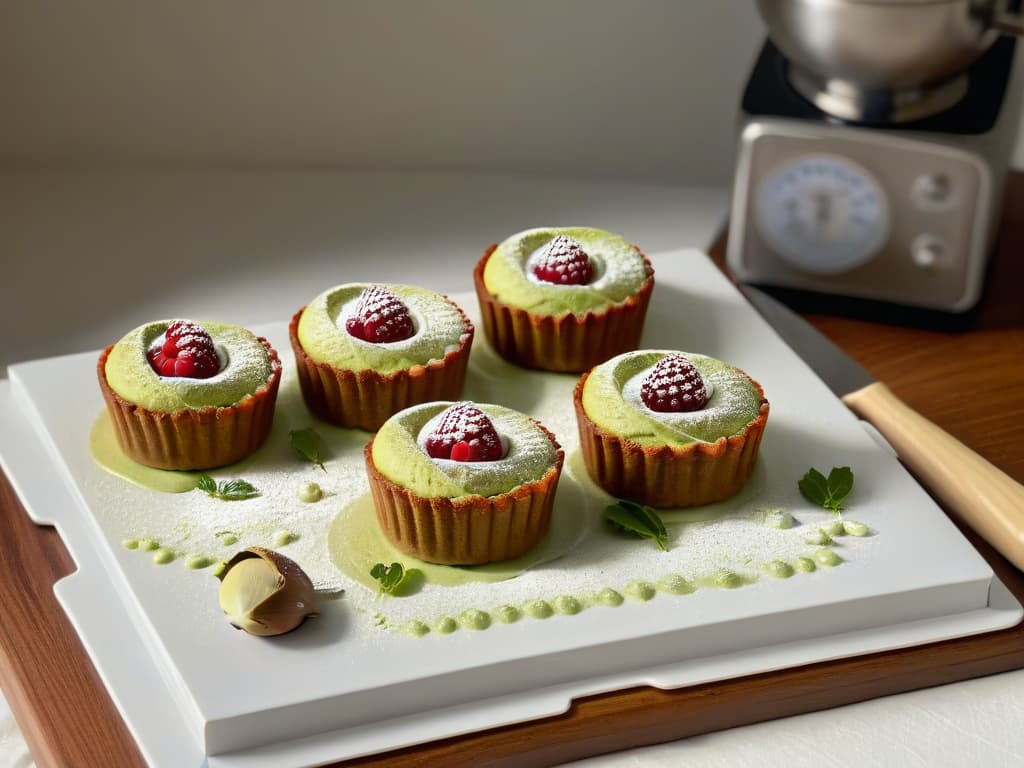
<point>265,593</point>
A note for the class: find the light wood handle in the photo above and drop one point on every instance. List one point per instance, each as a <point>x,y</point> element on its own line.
<point>985,497</point>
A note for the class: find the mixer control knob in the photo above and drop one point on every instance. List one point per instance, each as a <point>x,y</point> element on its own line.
<point>928,252</point>
<point>932,191</point>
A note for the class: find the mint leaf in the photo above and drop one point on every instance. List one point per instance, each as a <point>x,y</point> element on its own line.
<point>637,520</point>
<point>206,484</point>
<point>306,443</point>
<point>229,490</point>
<point>389,576</point>
<point>827,492</point>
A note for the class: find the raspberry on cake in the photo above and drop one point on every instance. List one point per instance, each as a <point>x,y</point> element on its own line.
<point>186,395</point>
<point>669,429</point>
<point>563,299</point>
<point>366,351</point>
<point>463,483</point>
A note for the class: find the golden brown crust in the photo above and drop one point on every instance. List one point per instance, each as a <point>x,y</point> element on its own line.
<point>366,399</point>
<point>566,343</point>
<point>665,475</point>
<point>468,531</point>
<point>200,438</point>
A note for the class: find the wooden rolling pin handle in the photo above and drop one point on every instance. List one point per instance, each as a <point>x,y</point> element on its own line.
<point>985,497</point>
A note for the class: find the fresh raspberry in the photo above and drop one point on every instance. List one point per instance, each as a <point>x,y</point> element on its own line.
<point>380,316</point>
<point>187,352</point>
<point>464,433</point>
<point>564,262</point>
<point>674,385</point>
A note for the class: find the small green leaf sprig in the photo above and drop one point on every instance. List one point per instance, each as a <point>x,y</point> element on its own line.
<point>228,490</point>
<point>390,577</point>
<point>306,443</point>
<point>827,492</point>
<point>638,520</point>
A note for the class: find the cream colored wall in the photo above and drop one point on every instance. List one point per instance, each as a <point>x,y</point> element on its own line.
<point>646,89</point>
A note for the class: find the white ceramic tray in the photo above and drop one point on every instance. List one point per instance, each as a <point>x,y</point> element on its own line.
<point>194,691</point>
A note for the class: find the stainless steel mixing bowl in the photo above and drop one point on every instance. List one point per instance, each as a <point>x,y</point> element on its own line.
<point>844,53</point>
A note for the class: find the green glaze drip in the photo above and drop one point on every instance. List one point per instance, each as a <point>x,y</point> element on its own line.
<point>415,628</point>
<point>640,590</point>
<point>445,625</point>
<point>674,584</point>
<point>780,569</point>
<point>222,566</point>
<point>310,492</point>
<point>148,545</point>
<point>609,597</point>
<point>284,538</point>
<point>474,619</point>
<point>507,614</point>
<point>804,564</point>
<point>163,556</point>
<point>827,557</point>
<point>568,605</point>
<point>130,543</point>
<point>109,456</point>
<point>198,562</point>
<point>228,539</point>
<point>538,609</point>
<point>853,528</point>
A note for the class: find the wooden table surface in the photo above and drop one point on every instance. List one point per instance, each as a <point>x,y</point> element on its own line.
<point>969,383</point>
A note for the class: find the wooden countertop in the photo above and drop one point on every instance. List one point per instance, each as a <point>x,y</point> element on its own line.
<point>969,383</point>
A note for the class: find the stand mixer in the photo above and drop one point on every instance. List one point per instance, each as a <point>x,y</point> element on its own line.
<point>875,141</point>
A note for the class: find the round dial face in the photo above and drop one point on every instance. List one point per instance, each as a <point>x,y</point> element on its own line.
<point>822,214</point>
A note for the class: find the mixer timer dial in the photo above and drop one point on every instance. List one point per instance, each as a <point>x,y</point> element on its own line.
<point>822,214</point>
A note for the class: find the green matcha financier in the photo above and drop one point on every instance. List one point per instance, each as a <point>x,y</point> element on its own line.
<point>563,298</point>
<point>668,428</point>
<point>366,351</point>
<point>463,483</point>
<point>186,395</point>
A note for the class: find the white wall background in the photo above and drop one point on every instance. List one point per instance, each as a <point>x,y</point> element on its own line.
<point>645,89</point>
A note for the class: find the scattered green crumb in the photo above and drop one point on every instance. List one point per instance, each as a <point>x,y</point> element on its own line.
<point>415,628</point>
<point>827,557</point>
<point>310,492</point>
<point>163,556</point>
<point>609,597</point>
<point>818,538</point>
<point>854,528</point>
<point>780,569</point>
<point>641,590</point>
<point>445,625</point>
<point>474,619</point>
<point>130,543</point>
<point>674,584</point>
<point>507,614</point>
<point>198,562</point>
<point>568,605</point>
<point>284,538</point>
<point>538,609</point>
<point>805,564</point>
<point>728,580</point>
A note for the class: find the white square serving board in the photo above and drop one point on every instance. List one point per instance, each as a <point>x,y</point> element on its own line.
<point>194,691</point>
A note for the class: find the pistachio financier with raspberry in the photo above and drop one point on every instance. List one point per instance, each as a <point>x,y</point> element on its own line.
<point>463,483</point>
<point>563,298</point>
<point>668,428</point>
<point>365,351</point>
<point>186,395</point>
